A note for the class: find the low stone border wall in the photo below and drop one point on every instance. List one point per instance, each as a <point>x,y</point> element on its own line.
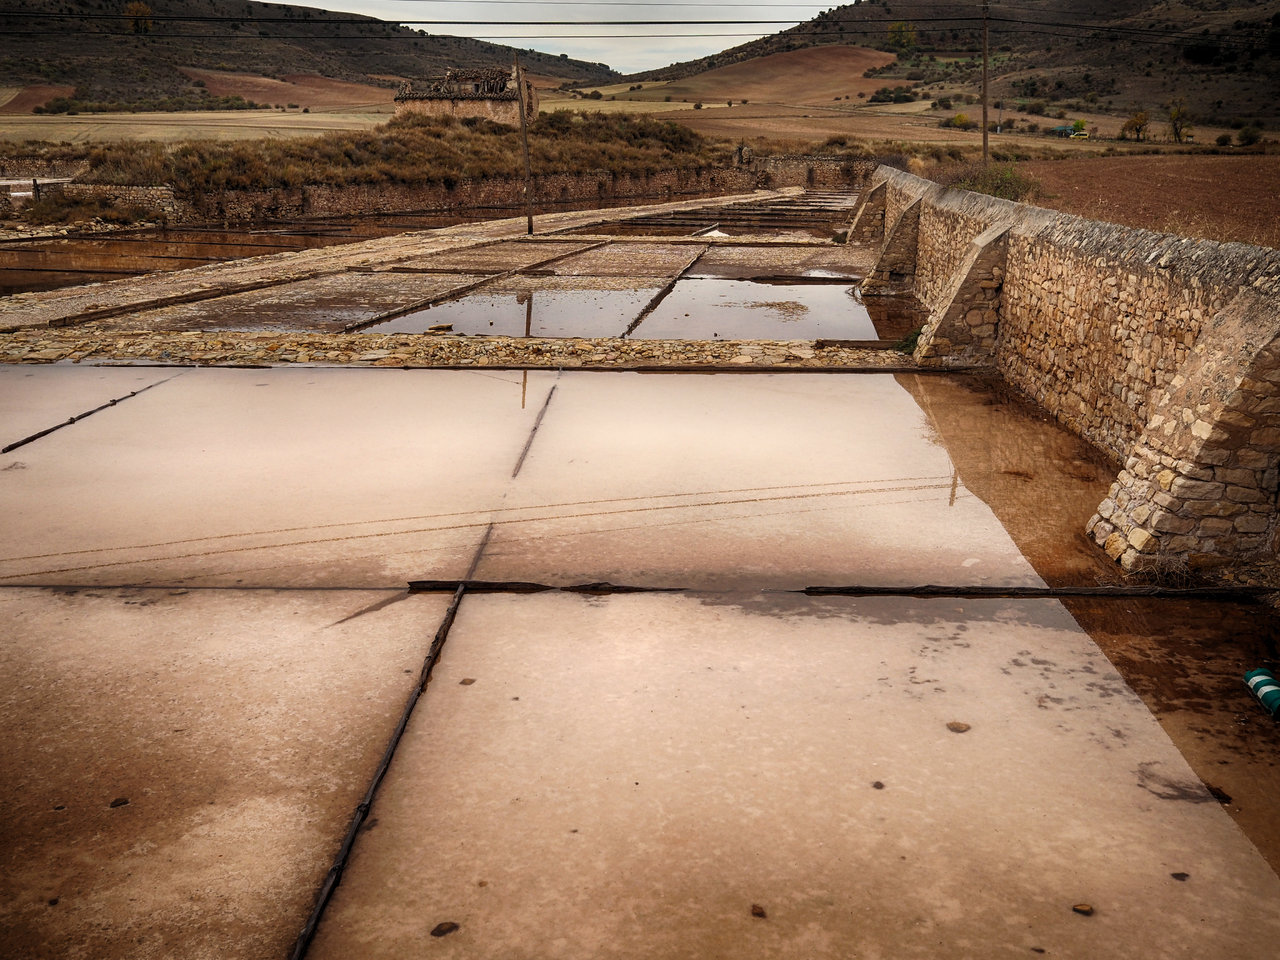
<point>85,344</point>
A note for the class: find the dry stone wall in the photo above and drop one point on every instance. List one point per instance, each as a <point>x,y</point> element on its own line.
<point>319,200</point>
<point>1160,350</point>
<point>158,201</point>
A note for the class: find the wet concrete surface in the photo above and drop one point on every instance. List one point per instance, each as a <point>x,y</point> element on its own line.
<point>53,263</point>
<point>746,309</point>
<point>292,477</point>
<point>1187,660</point>
<point>629,260</point>
<point>180,766</point>
<point>661,777</point>
<point>743,481</point>
<point>731,772</point>
<point>33,399</point>
<point>529,312</point>
<point>792,261</point>
<point>497,258</point>
<point>1043,482</point>
<point>324,304</point>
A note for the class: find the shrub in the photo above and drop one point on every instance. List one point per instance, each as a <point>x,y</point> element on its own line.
<point>1224,140</point>
<point>997,180</point>
<point>1248,136</point>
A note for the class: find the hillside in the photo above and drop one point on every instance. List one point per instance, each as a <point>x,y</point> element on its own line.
<point>88,48</point>
<point>1221,56</point>
<point>807,76</point>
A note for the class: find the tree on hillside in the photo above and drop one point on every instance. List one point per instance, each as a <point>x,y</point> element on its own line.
<point>1179,120</point>
<point>902,36</point>
<point>1136,125</point>
<point>140,14</point>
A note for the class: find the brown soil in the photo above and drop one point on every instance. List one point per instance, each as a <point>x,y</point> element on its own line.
<point>1225,198</point>
<point>816,75</point>
<point>35,96</point>
<point>306,90</point>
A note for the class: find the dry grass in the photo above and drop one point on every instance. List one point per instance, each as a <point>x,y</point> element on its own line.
<point>410,149</point>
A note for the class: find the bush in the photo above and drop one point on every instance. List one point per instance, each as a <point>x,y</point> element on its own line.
<point>1224,140</point>
<point>997,180</point>
<point>1248,136</point>
<point>57,209</point>
<point>411,149</point>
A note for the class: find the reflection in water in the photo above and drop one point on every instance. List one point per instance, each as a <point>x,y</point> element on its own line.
<point>1184,658</point>
<point>701,309</point>
<point>555,313</point>
<point>1042,482</point>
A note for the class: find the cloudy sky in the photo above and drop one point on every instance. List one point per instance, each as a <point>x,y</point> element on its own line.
<point>625,48</point>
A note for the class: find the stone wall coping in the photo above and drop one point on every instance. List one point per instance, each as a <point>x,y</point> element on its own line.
<point>1128,248</point>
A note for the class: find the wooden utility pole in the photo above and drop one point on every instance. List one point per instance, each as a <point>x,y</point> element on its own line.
<point>524,138</point>
<point>985,32</point>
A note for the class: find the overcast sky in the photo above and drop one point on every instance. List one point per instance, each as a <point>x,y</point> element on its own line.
<point>628,49</point>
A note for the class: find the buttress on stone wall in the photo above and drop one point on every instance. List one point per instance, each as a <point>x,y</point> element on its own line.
<point>1162,351</point>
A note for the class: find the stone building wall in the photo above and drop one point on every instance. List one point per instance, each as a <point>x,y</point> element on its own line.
<point>1162,351</point>
<point>500,111</point>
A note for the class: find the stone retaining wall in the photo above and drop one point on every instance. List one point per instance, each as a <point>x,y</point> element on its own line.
<point>27,167</point>
<point>158,201</point>
<point>1162,351</point>
<point>320,200</point>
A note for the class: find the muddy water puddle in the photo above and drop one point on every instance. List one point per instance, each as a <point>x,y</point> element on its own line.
<point>532,313</point>
<point>50,264</point>
<point>713,309</point>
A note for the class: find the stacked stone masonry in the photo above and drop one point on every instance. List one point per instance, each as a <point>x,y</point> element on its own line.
<point>1162,351</point>
<point>240,206</point>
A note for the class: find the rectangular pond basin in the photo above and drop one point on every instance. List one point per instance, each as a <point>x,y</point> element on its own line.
<point>749,310</point>
<point>530,312</point>
<point>329,304</point>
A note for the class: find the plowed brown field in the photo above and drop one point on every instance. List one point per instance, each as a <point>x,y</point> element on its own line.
<point>23,100</point>
<point>1221,198</point>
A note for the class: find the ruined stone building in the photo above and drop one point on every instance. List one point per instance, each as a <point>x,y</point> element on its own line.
<point>492,93</point>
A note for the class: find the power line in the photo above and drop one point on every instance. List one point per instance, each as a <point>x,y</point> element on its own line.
<point>396,31</point>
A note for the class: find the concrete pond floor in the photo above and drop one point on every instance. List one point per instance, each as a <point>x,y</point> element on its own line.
<point>208,643</point>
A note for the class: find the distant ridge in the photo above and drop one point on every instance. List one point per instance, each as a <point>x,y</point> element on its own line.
<point>1221,56</point>
<point>104,59</point>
